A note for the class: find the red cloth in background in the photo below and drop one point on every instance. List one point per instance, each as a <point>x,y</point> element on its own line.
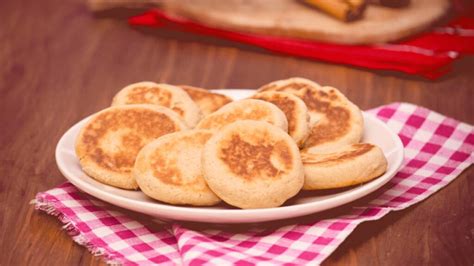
<point>429,54</point>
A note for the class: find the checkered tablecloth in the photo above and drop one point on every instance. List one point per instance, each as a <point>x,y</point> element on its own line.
<point>437,149</point>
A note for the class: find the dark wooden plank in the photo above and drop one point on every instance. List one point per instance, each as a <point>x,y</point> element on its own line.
<point>59,64</point>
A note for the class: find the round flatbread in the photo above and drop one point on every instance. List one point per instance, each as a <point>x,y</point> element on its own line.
<point>169,169</point>
<point>109,142</point>
<point>247,109</point>
<point>295,111</point>
<point>335,121</point>
<point>166,95</point>
<point>253,164</point>
<point>347,166</point>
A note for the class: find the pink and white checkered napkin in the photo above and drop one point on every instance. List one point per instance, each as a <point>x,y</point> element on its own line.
<point>437,149</point>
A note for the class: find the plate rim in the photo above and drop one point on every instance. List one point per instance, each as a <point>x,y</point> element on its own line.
<point>165,211</point>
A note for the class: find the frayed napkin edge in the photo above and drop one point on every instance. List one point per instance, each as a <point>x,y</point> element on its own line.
<point>69,226</point>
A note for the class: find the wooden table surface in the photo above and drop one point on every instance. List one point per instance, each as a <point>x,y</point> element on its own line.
<point>58,64</point>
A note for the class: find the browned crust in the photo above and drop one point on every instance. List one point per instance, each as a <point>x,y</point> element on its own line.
<point>143,125</point>
<point>335,158</point>
<point>337,122</point>
<point>151,95</point>
<point>139,95</point>
<point>207,101</point>
<point>166,169</point>
<point>285,104</point>
<point>251,161</point>
<point>292,87</point>
<point>217,120</point>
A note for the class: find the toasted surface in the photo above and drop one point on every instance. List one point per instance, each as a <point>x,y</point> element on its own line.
<point>169,169</point>
<point>247,109</point>
<point>253,164</point>
<point>340,123</point>
<point>291,85</point>
<point>208,101</point>
<point>166,95</point>
<point>295,111</point>
<point>346,166</point>
<point>109,142</point>
<point>335,121</point>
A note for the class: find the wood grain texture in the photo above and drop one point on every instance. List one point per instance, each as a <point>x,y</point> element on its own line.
<point>59,64</point>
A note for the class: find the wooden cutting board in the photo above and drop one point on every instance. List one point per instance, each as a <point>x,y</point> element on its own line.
<point>294,19</point>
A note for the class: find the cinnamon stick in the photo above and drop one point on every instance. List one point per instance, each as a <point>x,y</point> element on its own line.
<point>345,10</point>
<point>391,3</point>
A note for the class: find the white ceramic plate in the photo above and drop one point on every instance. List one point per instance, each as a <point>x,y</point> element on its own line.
<point>375,132</point>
